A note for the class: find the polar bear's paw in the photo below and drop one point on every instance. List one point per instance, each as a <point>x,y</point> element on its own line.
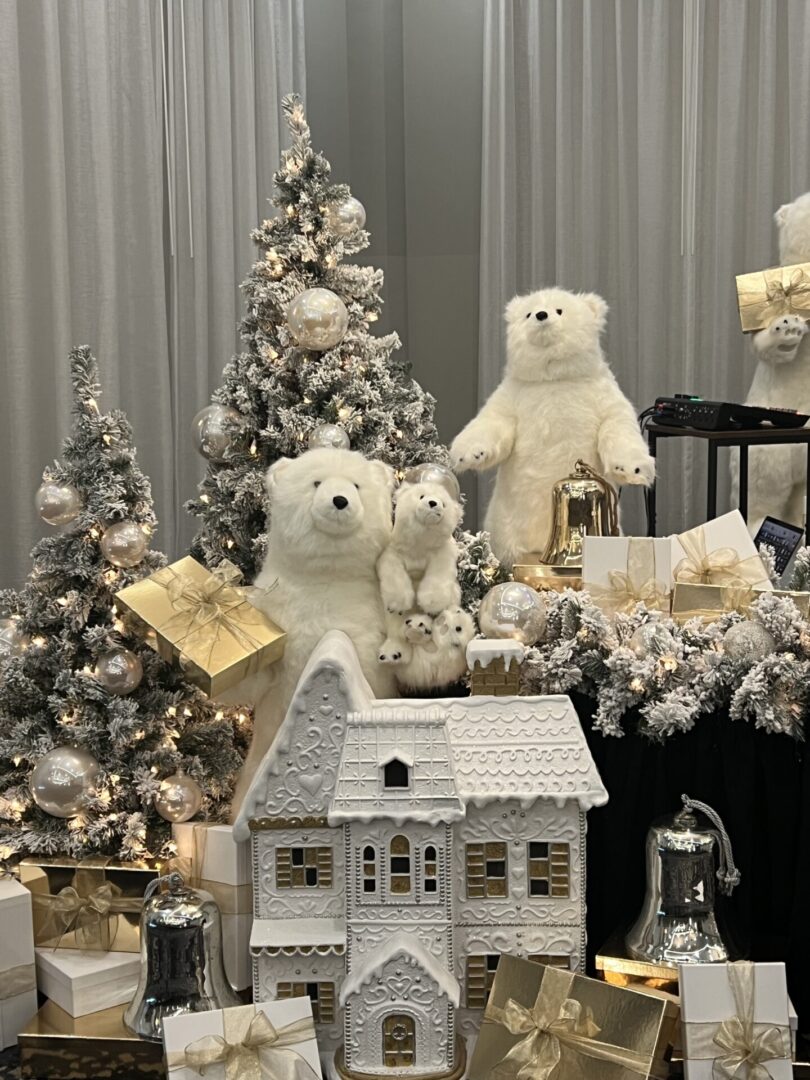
<point>782,338</point>
<point>397,601</point>
<point>472,453</point>
<point>437,596</point>
<point>633,469</point>
<point>393,651</point>
<point>418,628</point>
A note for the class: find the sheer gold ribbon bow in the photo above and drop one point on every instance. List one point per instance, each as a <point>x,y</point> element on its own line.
<point>780,293</point>
<point>251,1048</point>
<point>636,583</point>
<point>88,914</point>
<point>231,899</point>
<point>556,1023</point>
<point>17,980</point>
<point>722,566</point>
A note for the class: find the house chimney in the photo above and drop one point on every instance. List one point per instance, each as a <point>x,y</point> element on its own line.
<point>495,666</point>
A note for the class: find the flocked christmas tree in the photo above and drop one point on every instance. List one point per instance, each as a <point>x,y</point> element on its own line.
<point>96,731</point>
<point>313,374</point>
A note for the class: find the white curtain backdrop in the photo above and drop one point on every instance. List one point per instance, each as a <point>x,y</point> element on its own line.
<point>137,144</point>
<point>638,148</point>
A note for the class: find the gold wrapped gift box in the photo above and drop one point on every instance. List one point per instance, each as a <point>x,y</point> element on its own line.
<point>555,1025</point>
<point>531,571</point>
<point>203,622</point>
<point>709,602</point>
<point>766,295</point>
<point>92,904</point>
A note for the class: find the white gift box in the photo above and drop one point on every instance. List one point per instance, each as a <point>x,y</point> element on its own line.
<point>727,531</point>
<point>18,994</point>
<point>87,981</point>
<point>183,1033</point>
<point>647,561</point>
<point>708,1001</point>
<point>218,864</point>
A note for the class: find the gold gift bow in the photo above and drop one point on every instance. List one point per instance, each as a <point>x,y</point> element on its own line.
<point>69,910</point>
<point>17,980</point>
<point>778,295</point>
<point>230,899</point>
<point>206,610</point>
<point>250,1052</point>
<point>556,1021</point>
<point>722,566</point>
<point>637,583</point>
<point>741,1041</point>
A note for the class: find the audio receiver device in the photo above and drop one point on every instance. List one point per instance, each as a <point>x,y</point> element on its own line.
<point>684,410</point>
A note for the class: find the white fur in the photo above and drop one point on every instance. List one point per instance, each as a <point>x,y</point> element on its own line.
<point>776,474</point>
<point>321,573</point>
<point>438,657</point>
<point>558,401</point>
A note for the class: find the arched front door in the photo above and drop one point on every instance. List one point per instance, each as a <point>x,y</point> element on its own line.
<point>399,1040</point>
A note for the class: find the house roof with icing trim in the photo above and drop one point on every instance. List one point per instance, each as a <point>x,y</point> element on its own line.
<point>411,950</point>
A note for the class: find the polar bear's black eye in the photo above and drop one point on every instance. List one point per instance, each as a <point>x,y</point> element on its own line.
<point>529,315</point>
<point>421,497</point>
<point>357,486</point>
<point>458,629</point>
<point>559,311</point>
<point>317,483</point>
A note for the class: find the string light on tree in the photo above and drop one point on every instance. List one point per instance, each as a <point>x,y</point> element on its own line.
<point>58,504</point>
<point>124,544</point>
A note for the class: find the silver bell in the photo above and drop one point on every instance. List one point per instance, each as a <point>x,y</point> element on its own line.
<point>181,958</point>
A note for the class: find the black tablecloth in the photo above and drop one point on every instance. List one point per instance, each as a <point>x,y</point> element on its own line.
<point>759,784</point>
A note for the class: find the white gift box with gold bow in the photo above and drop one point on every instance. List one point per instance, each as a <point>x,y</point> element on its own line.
<point>18,993</point>
<point>620,571</point>
<point>274,1040</point>
<point>719,552</point>
<point>735,1022</point>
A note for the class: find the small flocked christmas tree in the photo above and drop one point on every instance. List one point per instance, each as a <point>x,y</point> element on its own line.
<point>313,372</point>
<point>115,720</point>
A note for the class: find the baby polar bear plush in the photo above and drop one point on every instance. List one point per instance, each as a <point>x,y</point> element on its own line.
<point>558,402</point>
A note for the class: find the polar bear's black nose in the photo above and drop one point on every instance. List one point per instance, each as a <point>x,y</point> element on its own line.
<point>432,504</point>
<point>541,316</point>
<point>340,501</point>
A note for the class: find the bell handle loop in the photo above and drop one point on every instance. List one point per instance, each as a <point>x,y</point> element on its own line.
<point>173,880</point>
<point>610,492</point>
<point>727,873</point>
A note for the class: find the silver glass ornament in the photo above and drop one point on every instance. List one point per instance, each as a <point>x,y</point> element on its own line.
<point>217,431</point>
<point>119,672</point>
<point>56,503</point>
<point>346,217</point>
<point>318,319</point>
<point>63,779</point>
<point>12,642</point>
<point>179,797</point>
<point>513,610</point>
<point>181,958</point>
<point>329,435</point>
<point>124,543</point>
<point>431,473</point>
<point>651,639</point>
<point>748,641</point>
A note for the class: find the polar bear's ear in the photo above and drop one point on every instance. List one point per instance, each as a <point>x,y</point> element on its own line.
<point>273,474</point>
<point>781,215</point>
<point>384,473</point>
<point>597,305</point>
<point>516,308</point>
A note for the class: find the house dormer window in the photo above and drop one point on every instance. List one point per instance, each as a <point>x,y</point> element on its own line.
<point>396,775</point>
<point>399,878</point>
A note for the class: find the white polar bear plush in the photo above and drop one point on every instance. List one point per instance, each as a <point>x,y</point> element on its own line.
<point>776,474</point>
<point>438,650</point>
<point>330,518</point>
<point>558,402</point>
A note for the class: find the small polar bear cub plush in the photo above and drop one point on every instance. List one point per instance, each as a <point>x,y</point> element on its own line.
<point>558,402</point>
<point>439,649</point>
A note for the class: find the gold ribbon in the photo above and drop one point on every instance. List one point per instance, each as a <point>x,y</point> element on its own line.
<point>555,1023</point>
<point>778,295</point>
<point>87,914</point>
<point>17,980</point>
<point>738,1047</point>
<point>250,1048</point>
<point>722,566</point>
<point>230,899</point>
<point>635,584</point>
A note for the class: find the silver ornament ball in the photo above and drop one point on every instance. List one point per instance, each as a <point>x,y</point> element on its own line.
<point>346,217</point>
<point>217,431</point>
<point>63,780</point>
<point>330,435</point>
<point>431,473</point>
<point>651,638</point>
<point>12,642</point>
<point>317,319</point>
<point>513,610</point>
<point>119,672</point>
<point>179,798</point>
<point>124,544</point>
<point>748,641</point>
<point>57,504</point>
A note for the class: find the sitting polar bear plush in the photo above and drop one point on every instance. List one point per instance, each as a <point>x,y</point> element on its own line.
<point>330,519</point>
<point>558,402</point>
<point>776,474</point>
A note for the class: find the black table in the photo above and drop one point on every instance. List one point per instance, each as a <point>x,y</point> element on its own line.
<point>714,439</point>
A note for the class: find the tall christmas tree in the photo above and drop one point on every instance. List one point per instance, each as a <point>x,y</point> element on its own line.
<point>313,372</point>
<point>96,731</point>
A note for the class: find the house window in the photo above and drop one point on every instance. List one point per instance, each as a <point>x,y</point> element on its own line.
<point>399,1041</point>
<point>557,960</point>
<point>396,776</point>
<point>548,868</point>
<point>486,870</point>
<point>400,865</point>
<point>430,870</point>
<point>304,868</point>
<point>321,994</point>
<point>481,970</point>
<point>369,869</point>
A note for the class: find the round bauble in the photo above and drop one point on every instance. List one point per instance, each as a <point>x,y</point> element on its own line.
<point>217,431</point>
<point>63,780</point>
<point>651,639</point>
<point>179,798</point>
<point>748,641</point>
<point>124,544</point>
<point>513,610</point>
<point>57,504</point>
<point>346,217</point>
<point>317,319</point>
<point>431,473</point>
<point>329,435</point>
<point>119,672</point>
<point>12,642</point>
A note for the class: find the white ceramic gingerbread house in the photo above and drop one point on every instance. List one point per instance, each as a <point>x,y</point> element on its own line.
<point>399,847</point>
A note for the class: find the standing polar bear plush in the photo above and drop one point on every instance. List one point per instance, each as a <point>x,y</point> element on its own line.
<point>776,474</point>
<point>330,519</point>
<point>558,402</point>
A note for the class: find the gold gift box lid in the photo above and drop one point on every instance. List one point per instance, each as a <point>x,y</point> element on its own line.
<point>690,601</point>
